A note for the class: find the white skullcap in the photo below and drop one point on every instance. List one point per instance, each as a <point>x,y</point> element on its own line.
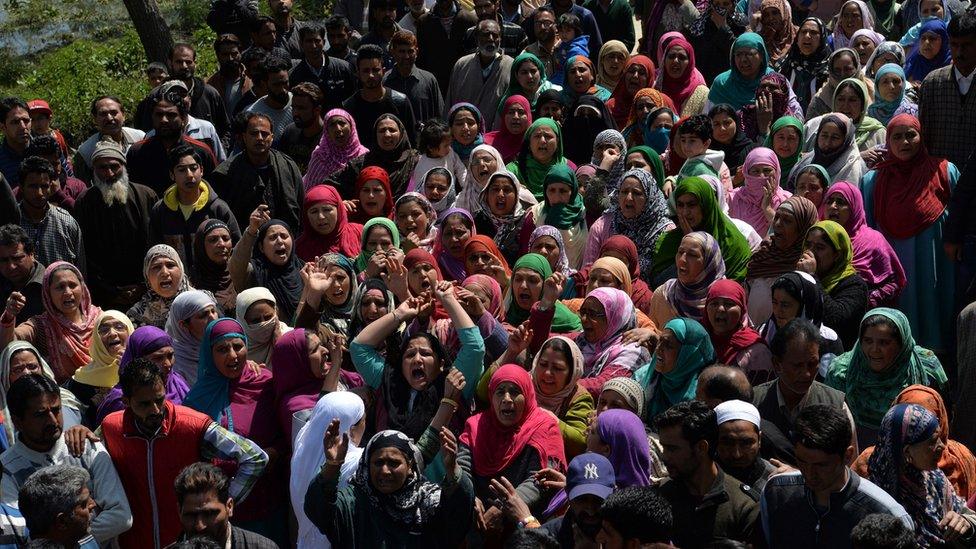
<point>732,410</point>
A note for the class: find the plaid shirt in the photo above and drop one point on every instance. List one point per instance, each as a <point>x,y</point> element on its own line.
<point>948,117</point>
<point>56,238</point>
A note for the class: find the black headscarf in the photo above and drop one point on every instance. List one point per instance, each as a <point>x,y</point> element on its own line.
<point>397,391</point>
<point>580,131</point>
<point>736,151</point>
<point>806,73</point>
<point>388,160</point>
<point>285,281</point>
<point>549,96</point>
<point>206,274</point>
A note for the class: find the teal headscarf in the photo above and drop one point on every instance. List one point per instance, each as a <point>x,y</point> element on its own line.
<point>564,320</point>
<point>881,110</point>
<point>513,85</point>
<point>870,393</point>
<point>680,383</point>
<point>563,216</point>
<point>211,393</point>
<point>362,260</point>
<point>652,158</point>
<point>731,86</point>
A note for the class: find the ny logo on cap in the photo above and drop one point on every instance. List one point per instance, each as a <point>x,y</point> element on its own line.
<point>590,472</point>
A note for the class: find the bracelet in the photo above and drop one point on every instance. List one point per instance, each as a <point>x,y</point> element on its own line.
<point>527,521</point>
<point>452,403</point>
<point>395,316</point>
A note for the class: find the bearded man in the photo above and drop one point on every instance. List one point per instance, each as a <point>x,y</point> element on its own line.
<point>481,78</point>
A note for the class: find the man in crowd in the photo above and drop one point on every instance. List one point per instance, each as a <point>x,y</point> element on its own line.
<point>260,175</point>
<point>253,60</point>
<point>560,7</point>
<point>108,117</point>
<point>264,36</point>
<point>739,439</point>
<point>382,26</point>
<point>880,531</point>
<point>706,503</point>
<point>374,99</point>
<point>65,189</point>
<point>513,39</point>
<point>57,507</point>
<point>418,85</point>
<point>615,19</point>
<point>56,234</point>
<point>276,105</point>
<point>544,26</point>
<point>34,402</point>
<point>440,37</point>
<point>16,125</point>
<point>636,517</point>
<point>206,507</point>
<point>20,271</point>
<point>152,440</point>
<point>482,78</point>
<point>354,12</point>
<point>792,502</point>
<point>300,138</point>
<point>340,33</point>
<point>148,159</point>
<point>230,81</point>
<point>589,482</point>
<point>114,210</point>
<point>718,383</point>
<point>415,10</point>
<point>286,27</point>
<point>334,77</point>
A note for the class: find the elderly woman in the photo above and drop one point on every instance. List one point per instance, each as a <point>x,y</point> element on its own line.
<point>757,200</point>
<point>188,319</point>
<point>338,146</point>
<point>851,99</point>
<point>165,278</point>
<point>699,263</point>
<point>638,74</point>
<point>606,314</point>
<point>737,86</point>
<point>257,312</point>
<point>930,53</point>
<point>683,351</point>
<point>736,342</point>
<point>854,16</point>
<point>834,148</point>
<point>92,382</point>
<point>864,42</point>
<point>890,97</point>
<point>806,64</point>
<point>266,257</point>
<point>842,64</point>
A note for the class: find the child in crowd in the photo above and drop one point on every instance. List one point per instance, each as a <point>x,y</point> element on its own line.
<point>572,42</point>
<point>434,145</point>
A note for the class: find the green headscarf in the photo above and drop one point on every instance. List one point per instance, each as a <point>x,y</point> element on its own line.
<point>680,384</point>
<point>530,172</point>
<point>870,393</point>
<point>362,260</point>
<point>734,246</point>
<point>786,164</point>
<point>866,125</point>
<point>841,242</point>
<point>563,216</point>
<point>564,320</point>
<point>513,85</point>
<point>652,158</point>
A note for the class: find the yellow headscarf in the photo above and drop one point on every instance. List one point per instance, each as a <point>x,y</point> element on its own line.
<point>616,268</point>
<point>103,370</point>
<point>841,242</point>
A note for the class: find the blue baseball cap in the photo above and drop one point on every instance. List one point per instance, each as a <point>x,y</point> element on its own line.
<point>590,473</point>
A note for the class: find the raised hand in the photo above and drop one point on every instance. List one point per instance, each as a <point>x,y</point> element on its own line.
<point>395,277</point>
<point>260,214</point>
<point>472,303</point>
<point>764,112</point>
<point>444,290</point>
<point>454,385</point>
<point>351,206</point>
<point>449,449</point>
<point>512,504</point>
<point>409,309</point>
<point>336,444</point>
<point>641,336</point>
<point>315,279</point>
<point>518,341</point>
<point>552,288</point>
<point>610,156</point>
<point>807,263</point>
<point>15,304</point>
<point>550,479</point>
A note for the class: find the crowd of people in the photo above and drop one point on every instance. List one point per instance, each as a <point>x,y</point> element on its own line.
<point>685,273</point>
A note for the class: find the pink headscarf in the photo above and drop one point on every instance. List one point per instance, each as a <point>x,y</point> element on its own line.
<point>745,202</point>
<point>505,142</point>
<point>874,259</point>
<point>619,309</point>
<point>68,343</point>
<point>680,89</point>
<point>329,157</point>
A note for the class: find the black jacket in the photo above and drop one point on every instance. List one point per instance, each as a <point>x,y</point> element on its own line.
<point>337,80</point>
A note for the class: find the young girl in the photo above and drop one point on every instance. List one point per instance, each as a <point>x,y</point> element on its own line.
<point>562,208</point>
<point>572,43</point>
<point>438,187</point>
<point>436,152</point>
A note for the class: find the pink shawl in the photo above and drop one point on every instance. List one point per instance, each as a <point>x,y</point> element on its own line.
<point>329,157</point>
<point>745,202</point>
<point>505,142</point>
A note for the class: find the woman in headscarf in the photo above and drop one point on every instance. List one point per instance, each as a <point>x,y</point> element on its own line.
<point>63,332</point>
<point>502,212</point>
<point>327,299</point>
<point>456,227</point>
<point>786,140</point>
<point>797,294</point>
<point>648,105</point>
<point>528,79</point>
<point>906,197</point>
<point>309,456</point>
<point>165,278</point>
<point>556,370</point>
<point>812,183</point>
<point>697,209</point>
<point>373,196</point>
<point>806,65</point>
<point>399,509</point>
<point>757,200</point>
<point>930,53</point>
<point>542,148</point>
<point>774,93</point>
<point>610,272</point>
<point>864,42</point>
<point>699,263</point>
<point>886,52</point>
<point>239,395</point>
<point>775,25</point>
<point>854,15</point>
<point>516,117</point>
<point>438,186</point>
<point>890,98</point>
<point>547,241</point>
<point>606,314</point>
<point>736,342</point>
<point>339,144</point>
<point>588,118</point>
<point>580,80</point>
<point>551,104</point>
<point>624,249</point>
<point>93,381</point>
<point>956,460</point>
<point>514,438</point>
<point>779,252</point>
<point>874,259</point>
<point>393,153</point>
<point>680,80</point>
<point>835,149</point>
<point>683,351</point>
<point>481,297</point>
<point>212,246</point>
<point>529,274</point>
<point>188,319</point>
<point>325,226</point>
<point>482,256</point>
<point>258,313</point>
<point>851,99</point>
<point>728,137</point>
<point>841,65</point>
<point>485,161</point>
<point>266,257</point>
<point>563,209</point>
<point>610,159</point>
<point>638,74</point>
<point>612,61</point>
<point>416,221</point>
<point>18,359</point>
<point>737,86</point>
<point>828,255</point>
<point>467,129</point>
<point>156,346</point>
<point>381,239</point>
<point>640,213</point>
<point>905,464</point>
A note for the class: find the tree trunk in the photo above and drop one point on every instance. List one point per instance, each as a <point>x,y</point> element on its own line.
<point>153,32</point>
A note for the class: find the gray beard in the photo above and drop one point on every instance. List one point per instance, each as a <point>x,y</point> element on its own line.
<point>117,191</point>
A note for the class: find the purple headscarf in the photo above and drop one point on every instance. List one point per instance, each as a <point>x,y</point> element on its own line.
<point>143,341</point>
<point>451,267</point>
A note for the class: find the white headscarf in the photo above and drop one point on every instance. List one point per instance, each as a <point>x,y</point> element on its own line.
<point>261,336</point>
<point>186,346</point>
<point>68,399</point>
<point>468,197</point>
<point>309,456</point>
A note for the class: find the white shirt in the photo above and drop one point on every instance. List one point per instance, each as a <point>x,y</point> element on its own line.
<point>964,81</point>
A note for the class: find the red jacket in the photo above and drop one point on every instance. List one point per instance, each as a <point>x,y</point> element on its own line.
<point>148,469</point>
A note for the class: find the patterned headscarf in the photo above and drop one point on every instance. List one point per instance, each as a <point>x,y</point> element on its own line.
<point>562,264</point>
<point>645,229</point>
<point>67,342</point>
<point>615,138</point>
<point>558,401</point>
<point>152,308</point>
<point>688,300</point>
<point>328,156</point>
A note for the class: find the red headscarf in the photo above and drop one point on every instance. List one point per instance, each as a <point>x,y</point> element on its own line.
<point>420,256</point>
<point>622,100</point>
<point>680,89</point>
<point>730,345</point>
<point>481,243</point>
<point>367,174</point>
<point>494,446</point>
<point>509,144</point>
<point>909,195</point>
<point>344,238</point>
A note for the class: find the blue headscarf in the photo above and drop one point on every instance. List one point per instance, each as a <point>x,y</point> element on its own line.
<point>883,111</point>
<point>464,151</point>
<point>917,67</point>
<point>731,86</point>
<point>211,393</point>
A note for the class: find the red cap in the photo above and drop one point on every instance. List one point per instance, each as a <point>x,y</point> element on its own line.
<point>39,105</point>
